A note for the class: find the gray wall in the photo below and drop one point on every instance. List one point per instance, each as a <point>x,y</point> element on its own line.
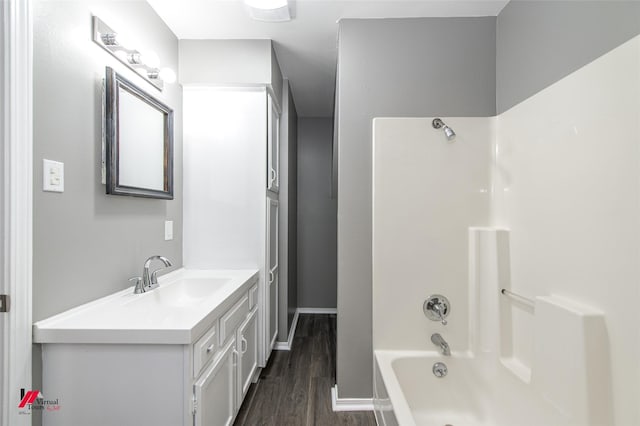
<point>275,78</point>
<point>317,221</point>
<point>229,63</point>
<point>287,196</point>
<point>225,61</point>
<point>292,287</point>
<point>86,244</point>
<point>393,67</point>
<point>540,42</point>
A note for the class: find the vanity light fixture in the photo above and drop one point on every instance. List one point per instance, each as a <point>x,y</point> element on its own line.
<point>144,62</point>
<point>268,10</point>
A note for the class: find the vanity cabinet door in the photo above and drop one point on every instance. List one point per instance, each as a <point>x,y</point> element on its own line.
<point>215,390</point>
<point>248,350</point>
<point>273,147</point>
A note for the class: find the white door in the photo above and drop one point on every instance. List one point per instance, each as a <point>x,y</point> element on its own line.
<point>16,191</point>
<point>273,315</point>
<point>272,272</point>
<point>273,147</point>
<point>215,390</point>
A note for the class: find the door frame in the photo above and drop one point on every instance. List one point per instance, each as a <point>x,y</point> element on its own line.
<point>17,205</point>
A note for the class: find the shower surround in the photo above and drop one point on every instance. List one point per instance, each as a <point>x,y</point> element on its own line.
<point>543,200</point>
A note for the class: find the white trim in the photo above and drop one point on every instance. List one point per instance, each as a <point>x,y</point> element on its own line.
<point>349,404</point>
<point>17,198</point>
<point>286,346</point>
<point>242,87</point>
<point>318,310</point>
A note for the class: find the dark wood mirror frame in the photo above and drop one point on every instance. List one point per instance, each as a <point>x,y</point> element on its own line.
<point>116,86</point>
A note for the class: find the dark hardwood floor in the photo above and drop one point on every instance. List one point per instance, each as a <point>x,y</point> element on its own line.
<point>295,387</point>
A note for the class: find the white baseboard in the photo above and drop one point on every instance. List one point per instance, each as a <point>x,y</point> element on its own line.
<point>256,375</point>
<point>349,404</point>
<point>286,346</point>
<point>317,310</point>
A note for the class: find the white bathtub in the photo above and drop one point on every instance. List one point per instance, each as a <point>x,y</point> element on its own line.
<point>474,393</point>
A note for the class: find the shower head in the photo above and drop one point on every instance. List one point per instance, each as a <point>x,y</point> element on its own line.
<point>448,131</point>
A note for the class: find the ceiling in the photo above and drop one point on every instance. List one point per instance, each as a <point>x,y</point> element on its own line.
<point>306,46</point>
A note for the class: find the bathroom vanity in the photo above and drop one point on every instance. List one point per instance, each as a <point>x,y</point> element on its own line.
<point>182,354</point>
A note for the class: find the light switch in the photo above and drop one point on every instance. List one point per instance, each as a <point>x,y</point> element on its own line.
<point>52,176</point>
<point>168,230</point>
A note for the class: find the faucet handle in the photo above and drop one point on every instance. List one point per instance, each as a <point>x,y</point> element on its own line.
<point>154,276</point>
<point>438,308</point>
<point>139,288</point>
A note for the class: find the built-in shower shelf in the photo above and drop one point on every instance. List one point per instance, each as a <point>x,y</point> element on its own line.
<point>518,368</point>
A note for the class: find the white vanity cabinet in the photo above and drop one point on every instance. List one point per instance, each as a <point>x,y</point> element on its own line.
<point>220,390</point>
<point>195,375</point>
<point>222,386</point>
<point>214,392</point>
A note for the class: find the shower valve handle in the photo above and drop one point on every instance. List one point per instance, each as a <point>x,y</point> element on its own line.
<point>437,308</point>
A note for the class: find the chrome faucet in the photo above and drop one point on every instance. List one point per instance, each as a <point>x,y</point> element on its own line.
<point>149,281</point>
<point>438,340</point>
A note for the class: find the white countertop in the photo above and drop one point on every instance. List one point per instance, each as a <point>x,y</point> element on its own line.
<point>185,305</point>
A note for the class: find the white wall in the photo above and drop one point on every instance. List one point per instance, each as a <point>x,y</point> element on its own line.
<point>567,185</point>
<point>426,193</point>
<point>224,223</point>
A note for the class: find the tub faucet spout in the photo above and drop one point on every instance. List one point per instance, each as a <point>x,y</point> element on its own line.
<point>438,340</point>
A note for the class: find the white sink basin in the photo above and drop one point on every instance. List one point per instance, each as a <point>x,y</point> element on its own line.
<point>185,305</point>
<point>184,293</point>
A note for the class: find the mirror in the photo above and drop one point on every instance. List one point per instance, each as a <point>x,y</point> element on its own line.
<point>138,141</point>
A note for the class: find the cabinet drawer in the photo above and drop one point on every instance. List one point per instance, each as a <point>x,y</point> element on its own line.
<point>233,318</point>
<point>204,350</point>
<point>253,296</point>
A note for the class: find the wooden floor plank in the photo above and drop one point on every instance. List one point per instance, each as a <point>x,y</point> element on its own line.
<point>295,387</point>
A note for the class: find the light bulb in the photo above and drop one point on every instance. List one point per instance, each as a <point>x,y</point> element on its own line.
<point>109,39</point>
<point>167,75</point>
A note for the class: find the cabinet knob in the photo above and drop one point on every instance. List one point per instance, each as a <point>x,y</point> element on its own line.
<point>210,348</point>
